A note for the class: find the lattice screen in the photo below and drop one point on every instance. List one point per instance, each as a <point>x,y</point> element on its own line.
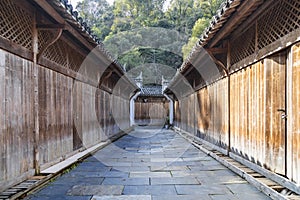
<point>61,53</point>
<point>44,37</point>
<point>276,22</point>
<point>15,24</point>
<point>243,46</point>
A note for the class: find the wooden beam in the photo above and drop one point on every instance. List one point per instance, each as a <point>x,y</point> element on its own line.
<point>57,17</point>
<point>79,37</point>
<point>216,50</point>
<point>219,63</point>
<point>50,26</point>
<point>65,71</point>
<point>106,89</point>
<point>82,51</point>
<point>50,10</point>
<point>15,48</point>
<point>231,23</point>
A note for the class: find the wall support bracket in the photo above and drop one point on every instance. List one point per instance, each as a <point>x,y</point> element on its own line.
<point>59,29</point>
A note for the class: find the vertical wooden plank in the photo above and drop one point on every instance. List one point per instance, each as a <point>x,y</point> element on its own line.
<point>223,91</point>
<point>231,111</point>
<point>294,139</point>
<point>77,113</point>
<point>251,114</point>
<point>2,116</point>
<point>28,114</point>
<point>70,111</point>
<point>262,119</point>
<point>8,108</point>
<point>35,99</point>
<point>43,114</point>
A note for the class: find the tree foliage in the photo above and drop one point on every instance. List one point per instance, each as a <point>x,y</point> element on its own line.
<point>126,28</point>
<point>98,14</point>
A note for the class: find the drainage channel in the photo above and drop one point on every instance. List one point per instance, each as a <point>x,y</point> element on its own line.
<point>19,191</point>
<point>34,183</point>
<point>269,187</point>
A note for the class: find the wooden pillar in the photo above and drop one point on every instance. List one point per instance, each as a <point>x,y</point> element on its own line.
<point>289,113</point>
<point>228,94</point>
<point>36,96</point>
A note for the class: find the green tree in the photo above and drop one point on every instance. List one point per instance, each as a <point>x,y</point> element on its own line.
<point>184,14</point>
<point>138,13</point>
<point>98,15</point>
<point>127,28</point>
<point>199,27</point>
<point>209,9</point>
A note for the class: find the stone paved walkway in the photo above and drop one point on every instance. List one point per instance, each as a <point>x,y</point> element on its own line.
<point>149,164</point>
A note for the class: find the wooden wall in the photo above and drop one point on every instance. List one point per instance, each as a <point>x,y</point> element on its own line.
<point>16,119</point>
<point>257,130</point>
<point>252,113</point>
<point>212,109</point>
<point>49,110</point>
<point>154,111</point>
<point>72,115</point>
<point>205,113</point>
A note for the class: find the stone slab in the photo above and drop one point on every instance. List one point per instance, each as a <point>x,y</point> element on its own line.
<point>175,180</point>
<point>150,190</point>
<point>126,181</point>
<point>123,197</point>
<point>79,190</point>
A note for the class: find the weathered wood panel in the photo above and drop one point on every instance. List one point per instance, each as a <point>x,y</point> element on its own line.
<point>55,115</point>
<point>205,113</point>
<point>257,130</point>
<point>212,113</point>
<point>295,134</point>
<point>66,112</point>
<point>176,113</point>
<point>154,111</point>
<point>120,113</point>
<point>190,110</point>
<point>16,120</point>
<point>275,71</point>
<point>184,114</point>
<point>67,117</point>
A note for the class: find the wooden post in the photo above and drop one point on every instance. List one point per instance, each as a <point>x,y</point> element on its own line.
<point>36,96</point>
<point>289,113</point>
<point>228,94</point>
<point>194,94</point>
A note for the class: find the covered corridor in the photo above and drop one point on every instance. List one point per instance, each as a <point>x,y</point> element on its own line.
<point>232,105</point>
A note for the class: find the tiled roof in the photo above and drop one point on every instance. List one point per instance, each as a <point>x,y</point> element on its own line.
<point>227,11</point>
<point>151,90</point>
<point>72,16</point>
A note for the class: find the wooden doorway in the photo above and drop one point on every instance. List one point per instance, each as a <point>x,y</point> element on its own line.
<point>275,112</point>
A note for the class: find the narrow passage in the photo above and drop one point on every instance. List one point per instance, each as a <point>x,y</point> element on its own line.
<point>150,163</point>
